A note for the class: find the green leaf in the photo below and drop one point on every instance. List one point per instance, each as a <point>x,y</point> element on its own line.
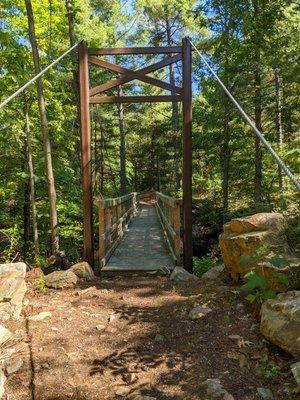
<point>268,294</point>
<point>279,262</point>
<point>255,281</point>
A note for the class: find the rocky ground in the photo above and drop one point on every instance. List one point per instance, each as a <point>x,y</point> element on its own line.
<point>136,338</point>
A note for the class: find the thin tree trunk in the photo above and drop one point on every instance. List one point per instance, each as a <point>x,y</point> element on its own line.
<point>158,172</point>
<point>257,109</point>
<point>123,177</point>
<point>279,129</point>
<point>31,185</point>
<point>175,116</point>
<point>72,38</point>
<point>26,205</point>
<point>45,131</point>
<point>225,158</point>
<point>135,176</point>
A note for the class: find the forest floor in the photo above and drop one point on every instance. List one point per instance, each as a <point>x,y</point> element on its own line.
<point>131,337</point>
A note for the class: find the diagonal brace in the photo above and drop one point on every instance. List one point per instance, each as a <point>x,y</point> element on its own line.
<point>130,75</point>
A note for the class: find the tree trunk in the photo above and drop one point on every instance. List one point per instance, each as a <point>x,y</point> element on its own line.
<point>257,108</point>
<point>26,205</point>
<point>72,38</point>
<point>225,159</point>
<point>279,129</point>
<point>123,177</point>
<point>31,183</point>
<point>45,131</point>
<point>175,116</point>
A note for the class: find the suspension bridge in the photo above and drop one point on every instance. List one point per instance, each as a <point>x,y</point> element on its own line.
<point>141,232</point>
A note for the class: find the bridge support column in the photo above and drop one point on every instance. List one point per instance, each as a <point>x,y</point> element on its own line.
<point>85,128</point>
<point>187,154</point>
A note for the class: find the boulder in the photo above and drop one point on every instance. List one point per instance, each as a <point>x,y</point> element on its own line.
<point>213,273</point>
<point>61,279</point>
<point>5,334</point>
<point>246,236</point>
<point>180,275</point>
<point>12,292</point>
<point>2,382</point>
<point>12,288</point>
<point>83,271</point>
<point>295,368</point>
<point>280,321</point>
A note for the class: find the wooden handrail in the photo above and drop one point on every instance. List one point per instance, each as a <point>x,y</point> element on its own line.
<point>169,213</point>
<point>114,216</point>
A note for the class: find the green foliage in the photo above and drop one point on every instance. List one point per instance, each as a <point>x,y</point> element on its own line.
<point>259,287</point>
<point>268,369</point>
<point>12,239</point>
<point>278,262</point>
<point>40,284</point>
<point>203,264</point>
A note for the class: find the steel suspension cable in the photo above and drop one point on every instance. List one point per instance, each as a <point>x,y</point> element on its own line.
<point>261,137</point>
<point>21,89</point>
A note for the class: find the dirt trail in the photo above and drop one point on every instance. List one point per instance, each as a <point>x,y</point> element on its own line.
<point>133,336</point>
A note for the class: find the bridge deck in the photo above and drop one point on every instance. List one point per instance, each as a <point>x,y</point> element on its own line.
<point>143,247</point>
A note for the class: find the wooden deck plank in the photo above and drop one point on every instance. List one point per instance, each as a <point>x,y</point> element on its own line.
<point>143,247</point>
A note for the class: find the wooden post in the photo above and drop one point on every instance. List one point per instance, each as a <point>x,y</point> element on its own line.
<point>102,230</point>
<point>86,154</point>
<point>176,226</point>
<point>187,153</point>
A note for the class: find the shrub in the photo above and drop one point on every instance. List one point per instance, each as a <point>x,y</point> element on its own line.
<point>268,369</point>
<point>203,264</point>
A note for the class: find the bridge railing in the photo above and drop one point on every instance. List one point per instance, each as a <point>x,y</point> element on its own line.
<point>169,213</point>
<point>114,216</point>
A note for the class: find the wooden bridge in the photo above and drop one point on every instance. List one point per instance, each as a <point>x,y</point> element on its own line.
<point>139,232</point>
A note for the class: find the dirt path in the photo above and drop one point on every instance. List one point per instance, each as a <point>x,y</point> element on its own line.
<point>133,336</point>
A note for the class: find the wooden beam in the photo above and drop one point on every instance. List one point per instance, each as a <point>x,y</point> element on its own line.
<point>133,99</point>
<point>187,154</point>
<point>124,79</point>
<point>85,129</point>
<point>133,74</point>
<point>135,50</point>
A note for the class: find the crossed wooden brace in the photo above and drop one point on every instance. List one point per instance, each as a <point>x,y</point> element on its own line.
<point>129,75</point>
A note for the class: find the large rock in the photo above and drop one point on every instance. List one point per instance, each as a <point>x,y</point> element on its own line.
<point>213,273</point>
<point>247,236</point>
<point>83,271</point>
<point>280,321</point>
<point>5,334</point>
<point>12,289</point>
<point>2,382</point>
<point>180,274</point>
<point>61,279</point>
<point>295,368</point>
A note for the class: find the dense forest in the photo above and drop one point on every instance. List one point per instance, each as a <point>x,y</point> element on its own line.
<point>254,47</point>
